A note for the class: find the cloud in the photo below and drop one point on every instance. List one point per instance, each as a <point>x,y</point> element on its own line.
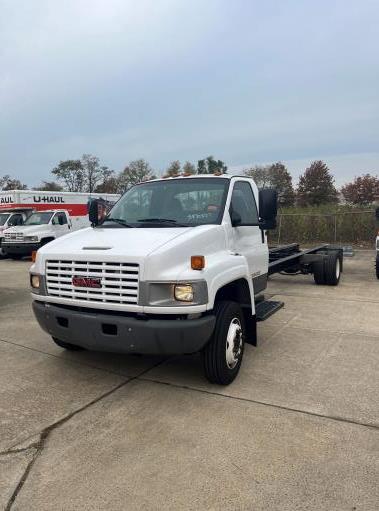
<point>172,79</point>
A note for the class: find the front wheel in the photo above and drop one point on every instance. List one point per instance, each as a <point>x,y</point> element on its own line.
<point>223,354</point>
<point>377,267</point>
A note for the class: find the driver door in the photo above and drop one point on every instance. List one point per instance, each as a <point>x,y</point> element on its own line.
<point>59,224</point>
<point>247,238</point>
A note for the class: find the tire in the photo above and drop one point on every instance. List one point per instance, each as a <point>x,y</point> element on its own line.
<point>222,360</point>
<point>332,268</point>
<point>66,345</point>
<point>377,267</point>
<point>319,272</point>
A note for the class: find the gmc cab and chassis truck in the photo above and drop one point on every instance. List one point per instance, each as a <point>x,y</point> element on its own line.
<point>178,266</point>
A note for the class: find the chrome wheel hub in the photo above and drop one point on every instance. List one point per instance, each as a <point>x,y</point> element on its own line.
<point>338,269</point>
<point>233,343</point>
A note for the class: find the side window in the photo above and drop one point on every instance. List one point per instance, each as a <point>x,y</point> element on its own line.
<point>62,219</point>
<point>15,220</point>
<point>243,203</point>
<point>59,219</point>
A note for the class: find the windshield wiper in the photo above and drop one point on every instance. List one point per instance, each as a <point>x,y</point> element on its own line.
<point>162,221</point>
<point>118,221</point>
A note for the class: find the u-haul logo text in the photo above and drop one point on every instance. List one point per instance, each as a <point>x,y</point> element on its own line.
<point>46,199</point>
<point>6,200</point>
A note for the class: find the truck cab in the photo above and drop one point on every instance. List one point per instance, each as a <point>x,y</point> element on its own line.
<point>7,220</point>
<point>39,228</point>
<point>174,268</point>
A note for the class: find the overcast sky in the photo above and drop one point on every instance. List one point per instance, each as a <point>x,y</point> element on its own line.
<point>247,81</point>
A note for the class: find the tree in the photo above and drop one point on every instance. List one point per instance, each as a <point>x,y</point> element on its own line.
<point>211,166</point>
<point>260,174</point>
<point>110,184</point>
<point>49,186</point>
<point>316,186</point>
<point>135,172</point>
<point>281,180</point>
<point>274,176</point>
<point>94,173</point>
<point>71,173</point>
<point>173,169</point>
<point>189,168</point>
<point>7,183</point>
<point>364,190</point>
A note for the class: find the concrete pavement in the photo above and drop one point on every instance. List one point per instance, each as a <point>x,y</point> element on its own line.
<point>298,429</point>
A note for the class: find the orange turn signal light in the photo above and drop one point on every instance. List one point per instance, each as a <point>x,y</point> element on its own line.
<point>34,256</point>
<point>197,262</point>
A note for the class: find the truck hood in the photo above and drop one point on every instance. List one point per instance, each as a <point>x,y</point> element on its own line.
<point>133,243</point>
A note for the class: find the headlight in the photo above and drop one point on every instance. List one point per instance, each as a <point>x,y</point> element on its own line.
<point>35,281</point>
<point>183,292</point>
<point>31,238</point>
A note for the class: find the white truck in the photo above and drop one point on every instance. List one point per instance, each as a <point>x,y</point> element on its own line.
<point>10,219</point>
<point>41,217</point>
<point>178,266</point>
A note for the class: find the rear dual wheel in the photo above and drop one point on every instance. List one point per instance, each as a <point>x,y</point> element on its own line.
<point>328,270</point>
<point>223,354</point>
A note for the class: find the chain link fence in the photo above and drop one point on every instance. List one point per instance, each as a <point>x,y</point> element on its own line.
<point>349,227</point>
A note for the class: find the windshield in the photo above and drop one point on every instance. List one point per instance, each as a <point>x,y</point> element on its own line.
<point>38,219</point>
<point>3,218</point>
<point>170,203</point>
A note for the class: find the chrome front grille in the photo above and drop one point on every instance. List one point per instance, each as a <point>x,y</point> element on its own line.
<point>118,282</point>
<point>14,236</point>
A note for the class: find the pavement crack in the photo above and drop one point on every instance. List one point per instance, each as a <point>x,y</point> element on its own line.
<point>329,298</point>
<point>44,435</point>
<point>33,445</point>
<point>78,362</point>
<point>264,403</point>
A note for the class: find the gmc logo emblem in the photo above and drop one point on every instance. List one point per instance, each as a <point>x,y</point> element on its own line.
<point>86,282</point>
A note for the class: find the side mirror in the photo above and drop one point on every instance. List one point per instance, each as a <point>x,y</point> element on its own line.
<point>268,208</point>
<point>96,212</point>
<point>377,213</point>
<point>93,212</point>
<point>235,218</point>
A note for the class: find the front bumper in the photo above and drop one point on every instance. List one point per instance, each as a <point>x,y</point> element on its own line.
<point>20,248</point>
<point>124,334</point>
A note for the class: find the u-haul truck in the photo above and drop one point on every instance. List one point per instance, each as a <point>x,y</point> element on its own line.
<point>29,218</point>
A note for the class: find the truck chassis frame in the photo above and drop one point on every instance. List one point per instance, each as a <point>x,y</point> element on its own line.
<point>290,259</point>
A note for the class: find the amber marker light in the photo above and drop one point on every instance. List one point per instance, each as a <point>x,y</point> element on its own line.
<point>197,262</point>
<point>34,256</point>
